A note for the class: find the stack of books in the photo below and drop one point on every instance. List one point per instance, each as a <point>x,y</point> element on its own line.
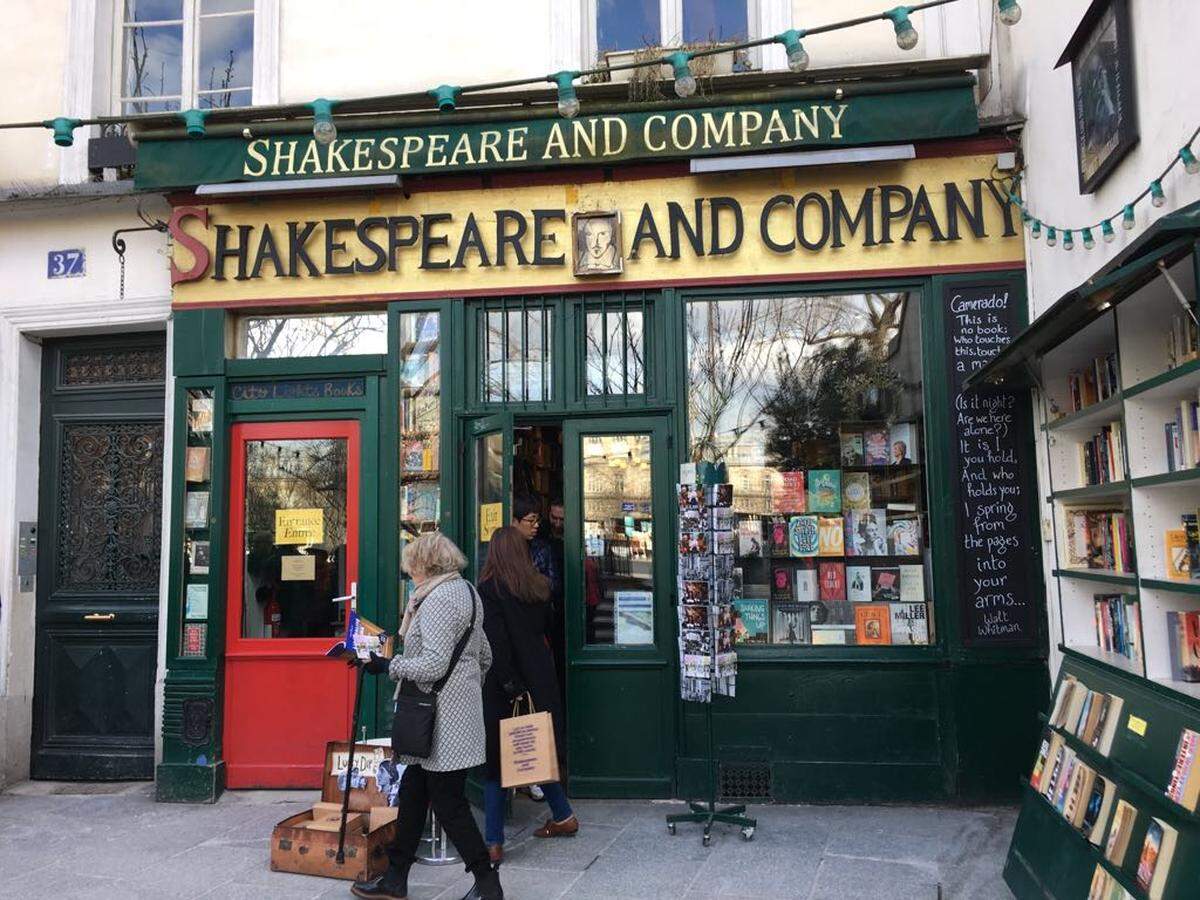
<point>1099,539</point>
<point>1119,625</point>
<point>1077,791</point>
<point>1089,715</point>
<point>1102,457</point>
<point>1183,437</point>
<point>1181,341</point>
<point>1097,382</point>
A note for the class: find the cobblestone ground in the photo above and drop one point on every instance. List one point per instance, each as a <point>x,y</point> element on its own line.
<point>56,841</point>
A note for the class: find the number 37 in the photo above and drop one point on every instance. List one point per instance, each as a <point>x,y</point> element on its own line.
<point>64,263</point>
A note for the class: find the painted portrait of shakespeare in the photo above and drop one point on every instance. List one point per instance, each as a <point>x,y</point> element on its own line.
<point>597,243</point>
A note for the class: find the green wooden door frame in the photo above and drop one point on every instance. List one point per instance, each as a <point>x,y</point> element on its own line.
<point>604,682</point>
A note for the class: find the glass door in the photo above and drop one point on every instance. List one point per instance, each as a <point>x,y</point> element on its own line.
<point>293,560</point>
<point>619,606</point>
<point>488,464</point>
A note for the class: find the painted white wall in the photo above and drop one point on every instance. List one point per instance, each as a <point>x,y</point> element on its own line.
<point>33,307</point>
<point>1168,112</point>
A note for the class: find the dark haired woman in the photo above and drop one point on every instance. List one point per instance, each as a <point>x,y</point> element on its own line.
<point>517,617</point>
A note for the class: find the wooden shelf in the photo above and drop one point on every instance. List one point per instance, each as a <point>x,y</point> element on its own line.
<point>1106,576</point>
<point>1113,660</point>
<point>1093,492</point>
<point>1105,411</point>
<point>1182,477</point>
<point>1186,688</point>
<point>1181,378</point>
<point>1172,584</point>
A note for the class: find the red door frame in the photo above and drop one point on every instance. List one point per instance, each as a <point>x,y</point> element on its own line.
<point>283,698</point>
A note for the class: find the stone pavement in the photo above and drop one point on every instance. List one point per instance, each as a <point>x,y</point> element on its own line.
<point>118,843</point>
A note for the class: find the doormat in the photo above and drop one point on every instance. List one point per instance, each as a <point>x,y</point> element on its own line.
<point>93,787</point>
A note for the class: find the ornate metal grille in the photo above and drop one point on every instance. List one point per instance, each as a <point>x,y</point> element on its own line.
<point>745,781</point>
<point>110,507</point>
<point>141,365</point>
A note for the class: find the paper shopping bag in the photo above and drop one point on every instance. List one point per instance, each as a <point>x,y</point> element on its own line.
<point>527,751</point>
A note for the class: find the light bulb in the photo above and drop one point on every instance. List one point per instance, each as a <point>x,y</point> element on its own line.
<point>324,131</point>
<point>685,82</point>
<point>906,35</point>
<point>1010,12</point>
<point>1051,237</point>
<point>1106,231</point>
<point>797,56</point>
<point>568,102</point>
<point>1036,231</point>
<point>1068,241</point>
<point>1127,218</point>
<point>1088,241</point>
<point>1190,163</point>
<point>1157,197</point>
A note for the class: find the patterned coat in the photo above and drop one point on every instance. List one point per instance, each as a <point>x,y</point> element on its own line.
<point>437,625</point>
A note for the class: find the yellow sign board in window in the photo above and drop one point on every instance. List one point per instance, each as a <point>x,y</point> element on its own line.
<point>299,526</point>
<point>491,517</point>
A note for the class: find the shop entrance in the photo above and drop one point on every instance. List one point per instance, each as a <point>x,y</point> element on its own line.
<point>293,557</point>
<point>612,478</point>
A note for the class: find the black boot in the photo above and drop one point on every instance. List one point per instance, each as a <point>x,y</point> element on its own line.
<point>487,884</point>
<point>391,885</point>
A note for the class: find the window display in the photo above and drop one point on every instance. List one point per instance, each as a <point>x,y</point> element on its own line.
<point>814,405</point>
<point>420,424</point>
<point>197,476</point>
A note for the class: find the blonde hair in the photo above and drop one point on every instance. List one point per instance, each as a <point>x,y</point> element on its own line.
<point>433,554</point>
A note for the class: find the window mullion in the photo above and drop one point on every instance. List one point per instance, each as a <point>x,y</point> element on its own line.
<point>670,22</point>
<point>191,54</point>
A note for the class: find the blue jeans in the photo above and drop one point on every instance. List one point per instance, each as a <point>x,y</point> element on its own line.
<point>493,807</point>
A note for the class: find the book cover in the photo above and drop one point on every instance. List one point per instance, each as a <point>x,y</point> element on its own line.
<point>750,538</point>
<point>194,641</point>
<point>200,415</point>
<point>807,586</point>
<point>1189,650</point>
<point>910,623</point>
<point>691,500</point>
<point>904,533</point>
<point>825,491</point>
<point>832,635</point>
<point>723,518</point>
<point>1192,536</point>
<point>1118,835</point>
<point>195,509</point>
<point>781,584</point>
<point>1039,761</point>
<point>831,536</point>
<point>872,623</point>
<point>790,624</point>
<point>196,602</point>
<point>199,557</point>
<point>693,591</point>
<point>777,534</point>
<point>787,492</point>
<point>1184,784</point>
<point>885,584</point>
<point>856,491</point>
<point>724,543</point>
<point>833,612</point>
<point>751,621</point>
<point>1148,858</point>
<point>876,451</point>
<point>858,584</point>
<point>912,584</point>
<point>197,464</point>
<point>693,543</point>
<point>832,580</point>
<point>866,533</point>
<point>903,444</point>
<point>1176,546</point>
<point>803,536</point>
<point>852,448</point>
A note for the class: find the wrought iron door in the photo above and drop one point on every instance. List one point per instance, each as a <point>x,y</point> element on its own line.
<point>100,518</point>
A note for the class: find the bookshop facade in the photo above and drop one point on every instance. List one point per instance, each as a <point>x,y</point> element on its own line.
<point>353,369</point>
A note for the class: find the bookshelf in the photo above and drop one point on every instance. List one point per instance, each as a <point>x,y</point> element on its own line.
<point>1138,338</point>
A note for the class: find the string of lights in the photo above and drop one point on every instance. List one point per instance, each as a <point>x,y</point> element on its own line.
<point>1087,234</point>
<point>446,96</point>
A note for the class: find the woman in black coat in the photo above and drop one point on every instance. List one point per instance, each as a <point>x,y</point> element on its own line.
<point>517,617</point>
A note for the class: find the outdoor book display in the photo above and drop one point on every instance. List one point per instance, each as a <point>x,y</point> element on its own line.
<point>1110,809</point>
<point>197,515</point>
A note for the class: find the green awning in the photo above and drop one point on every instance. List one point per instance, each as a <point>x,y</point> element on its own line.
<point>1169,239</point>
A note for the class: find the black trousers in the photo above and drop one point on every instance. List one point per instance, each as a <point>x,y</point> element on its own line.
<point>447,793</point>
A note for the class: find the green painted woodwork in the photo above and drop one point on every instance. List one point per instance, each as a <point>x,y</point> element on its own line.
<point>1110,405</point>
<point>1111,489</point>
<point>198,344</point>
<point>861,117</point>
<point>946,722</point>
<point>1049,858</point>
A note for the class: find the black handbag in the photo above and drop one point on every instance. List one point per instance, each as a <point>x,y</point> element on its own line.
<point>416,711</point>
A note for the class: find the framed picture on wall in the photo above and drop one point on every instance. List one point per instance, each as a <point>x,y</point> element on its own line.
<point>1101,56</point>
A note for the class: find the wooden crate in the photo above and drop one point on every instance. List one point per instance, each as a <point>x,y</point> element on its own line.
<point>307,851</point>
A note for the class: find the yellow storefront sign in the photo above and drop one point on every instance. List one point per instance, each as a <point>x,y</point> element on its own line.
<point>906,217</point>
<point>299,526</point>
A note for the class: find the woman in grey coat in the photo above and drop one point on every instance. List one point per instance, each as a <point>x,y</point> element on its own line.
<point>438,615</point>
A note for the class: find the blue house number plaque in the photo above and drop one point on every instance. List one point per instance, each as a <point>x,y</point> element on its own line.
<point>64,264</point>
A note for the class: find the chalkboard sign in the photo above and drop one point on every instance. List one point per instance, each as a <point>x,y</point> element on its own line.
<point>992,472</point>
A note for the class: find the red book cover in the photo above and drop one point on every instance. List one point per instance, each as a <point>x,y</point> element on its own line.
<point>787,492</point>
<point>832,581</point>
